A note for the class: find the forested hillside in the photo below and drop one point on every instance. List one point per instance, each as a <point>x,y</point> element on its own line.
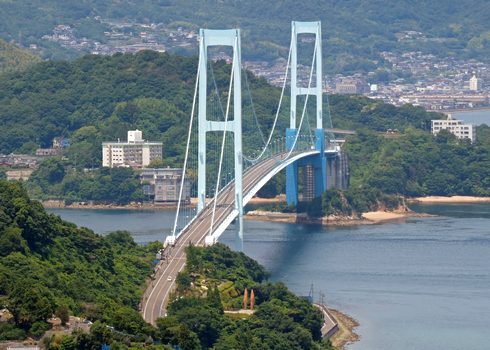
<point>12,57</point>
<point>355,31</point>
<point>49,266</point>
<point>214,280</point>
<point>78,99</point>
<point>386,168</point>
<point>95,99</point>
<point>410,161</point>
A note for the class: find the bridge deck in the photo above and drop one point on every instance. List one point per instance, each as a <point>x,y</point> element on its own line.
<point>156,297</point>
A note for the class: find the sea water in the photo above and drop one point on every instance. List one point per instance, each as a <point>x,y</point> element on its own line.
<point>422,283</point>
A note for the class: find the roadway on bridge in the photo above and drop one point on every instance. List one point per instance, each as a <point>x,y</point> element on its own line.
<point>155,300</point>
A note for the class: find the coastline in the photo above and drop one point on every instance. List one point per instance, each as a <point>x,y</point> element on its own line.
<point>449,199</point>
<point>369,218</point>
<point>279,217</point>
<point>346,334</point>
<point>60,204</point>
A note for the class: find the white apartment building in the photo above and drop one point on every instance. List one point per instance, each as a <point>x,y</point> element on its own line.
<point>475,83</point>
<point>455,127</point>
<point>135,153</point>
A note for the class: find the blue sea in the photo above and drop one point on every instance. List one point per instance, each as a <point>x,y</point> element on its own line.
<point>419,284</point>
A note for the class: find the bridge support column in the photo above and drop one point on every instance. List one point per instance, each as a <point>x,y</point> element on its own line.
<point>291,171</point>
<point>230,37</point>
<point>321,164</point>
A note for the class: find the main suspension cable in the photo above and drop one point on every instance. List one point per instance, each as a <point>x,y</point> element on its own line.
<point>182,182</point>
<point>253,109</point>
<point>304,106</point>
<point>253,160</point>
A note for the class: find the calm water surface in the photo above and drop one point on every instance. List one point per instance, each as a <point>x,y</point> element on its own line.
<point>421,284</point>
<point>476,117</point>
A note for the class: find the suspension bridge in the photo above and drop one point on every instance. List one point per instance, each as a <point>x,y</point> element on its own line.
<point>226,173</point>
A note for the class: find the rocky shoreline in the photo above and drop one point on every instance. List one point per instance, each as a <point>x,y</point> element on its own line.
<point>369,218</point>
<point>346,334</point>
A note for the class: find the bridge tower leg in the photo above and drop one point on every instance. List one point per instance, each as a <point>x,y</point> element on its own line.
<point>230,37</point>
<point>317,90</point>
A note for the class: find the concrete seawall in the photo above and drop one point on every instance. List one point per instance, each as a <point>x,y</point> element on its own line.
<point>330,325</point>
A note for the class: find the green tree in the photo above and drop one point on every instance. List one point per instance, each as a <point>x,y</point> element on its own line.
<point>30,302</point>
<point>38,328</point>
<point>63,313</point>
<point>187,339</point>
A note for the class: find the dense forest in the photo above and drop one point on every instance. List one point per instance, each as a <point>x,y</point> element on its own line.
<point>96,99</point>
<point>93,99</point>
<point>410,162</point>
<point>355,31</point>
<point>57,179</point>
<point>51,267</point>
<point>12,57</point>
<point>385,170</point>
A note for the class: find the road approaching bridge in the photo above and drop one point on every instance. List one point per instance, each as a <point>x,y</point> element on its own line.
<point>155,299</point>
<point>302,147</point>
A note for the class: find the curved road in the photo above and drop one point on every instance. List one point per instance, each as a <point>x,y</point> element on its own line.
<point>156,297</point>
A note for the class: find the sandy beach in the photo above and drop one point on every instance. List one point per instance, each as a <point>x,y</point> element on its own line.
<point>381,216</point>
<point>450,199</point>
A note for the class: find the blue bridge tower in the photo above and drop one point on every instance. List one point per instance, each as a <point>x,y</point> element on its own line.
<point>316,165</point>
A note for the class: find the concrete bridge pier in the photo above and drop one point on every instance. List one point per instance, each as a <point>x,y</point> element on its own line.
<point>317,183</point>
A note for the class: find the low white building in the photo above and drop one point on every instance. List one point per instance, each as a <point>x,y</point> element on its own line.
<point>456,127</point>
<point>135,153</point>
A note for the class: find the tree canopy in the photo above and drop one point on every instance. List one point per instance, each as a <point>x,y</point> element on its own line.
<point>48,265</point>
<point>355,31</point>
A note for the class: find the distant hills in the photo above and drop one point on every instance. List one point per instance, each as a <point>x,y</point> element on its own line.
<point>98,98</point>
<point>355,31</point>
<point>12,57</point>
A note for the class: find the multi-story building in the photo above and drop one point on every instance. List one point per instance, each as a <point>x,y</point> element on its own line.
<point>135,153</point>
<point>455,127</point>
<point>475,83</point>
<point>163,185</point>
